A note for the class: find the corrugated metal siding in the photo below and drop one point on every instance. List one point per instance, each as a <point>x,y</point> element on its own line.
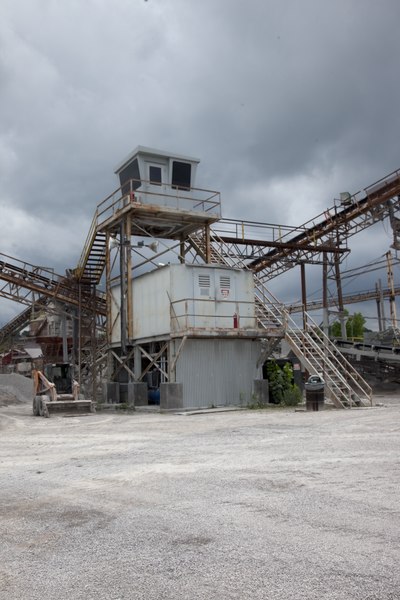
<point>218,372</point>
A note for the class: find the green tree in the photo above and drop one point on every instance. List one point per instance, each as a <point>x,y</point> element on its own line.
<point>355,326</point>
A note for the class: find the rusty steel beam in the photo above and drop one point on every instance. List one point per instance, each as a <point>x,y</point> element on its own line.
<point>282,245</point>
<point>21,278</point>
<point>377,204</point>
<point>347,299</point>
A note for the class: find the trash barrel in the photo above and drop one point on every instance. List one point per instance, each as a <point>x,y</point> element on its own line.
<point>315,393</point>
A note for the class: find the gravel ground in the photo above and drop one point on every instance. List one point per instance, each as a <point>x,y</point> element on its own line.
<point>271,504</point>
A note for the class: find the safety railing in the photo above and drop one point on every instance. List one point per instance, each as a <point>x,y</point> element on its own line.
<point>315,349</point>
<point>91,236</point>
<point>209,313</point>
<point>147,193</point>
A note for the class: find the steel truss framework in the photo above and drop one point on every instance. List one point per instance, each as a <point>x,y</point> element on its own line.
<point>242,243</point>
<point>37,286</point>
<point>155,355</point>
<point>30,284</point>
<point>246,241</point>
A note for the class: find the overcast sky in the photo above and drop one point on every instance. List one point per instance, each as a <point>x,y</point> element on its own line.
<point>286,102</point>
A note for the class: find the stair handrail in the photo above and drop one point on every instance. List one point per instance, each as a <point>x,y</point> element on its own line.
<point>283,317</point>
<point>293,328</point>
<point>328,344</point>
<point>297,338</point>
<point>87,246</point>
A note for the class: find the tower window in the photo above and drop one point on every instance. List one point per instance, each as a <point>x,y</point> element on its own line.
<point>129,177</point>
<point>155,175</point>
<point>181,174</point>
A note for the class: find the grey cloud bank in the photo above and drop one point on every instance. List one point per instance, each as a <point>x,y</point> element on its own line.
<point>287,104</point>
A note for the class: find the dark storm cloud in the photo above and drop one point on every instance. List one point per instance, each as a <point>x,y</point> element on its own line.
<point>287,104</point>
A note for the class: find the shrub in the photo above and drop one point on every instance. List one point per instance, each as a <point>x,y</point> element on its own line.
<point>292,396</point>
<point>282,390</point>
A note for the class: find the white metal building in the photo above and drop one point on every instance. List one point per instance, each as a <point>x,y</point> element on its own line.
<point>206,313</point>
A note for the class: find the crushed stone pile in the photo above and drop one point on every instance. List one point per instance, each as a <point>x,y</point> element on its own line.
<point>15,388</point>
<point>7,397</point>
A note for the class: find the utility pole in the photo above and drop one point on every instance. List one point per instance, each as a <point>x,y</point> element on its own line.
<point>392,297</point>
<point>303,293</point>
<point>380,306</point>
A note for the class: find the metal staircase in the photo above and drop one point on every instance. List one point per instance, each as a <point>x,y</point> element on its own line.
<point>316,352</point>
<point>313,348</point>
<point>93,258</point>
<point>197,240</point>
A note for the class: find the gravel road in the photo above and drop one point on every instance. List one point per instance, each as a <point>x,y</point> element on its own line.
<point>271,504</point>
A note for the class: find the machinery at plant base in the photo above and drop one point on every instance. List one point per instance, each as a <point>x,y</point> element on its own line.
<point>56,391</point>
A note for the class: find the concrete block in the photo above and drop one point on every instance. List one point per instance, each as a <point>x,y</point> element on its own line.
<point>261,391</point>
<point>133,394</point>
<point>139,393</point>
<point>171,396</point>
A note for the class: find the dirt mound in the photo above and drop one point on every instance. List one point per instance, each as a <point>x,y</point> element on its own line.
<point>8,398</point>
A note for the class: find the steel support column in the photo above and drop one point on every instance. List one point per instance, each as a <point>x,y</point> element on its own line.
<point>342,317</point>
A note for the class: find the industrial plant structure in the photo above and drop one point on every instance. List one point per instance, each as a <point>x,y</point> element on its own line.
<point>187,332</point>
<point>194,330</point>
